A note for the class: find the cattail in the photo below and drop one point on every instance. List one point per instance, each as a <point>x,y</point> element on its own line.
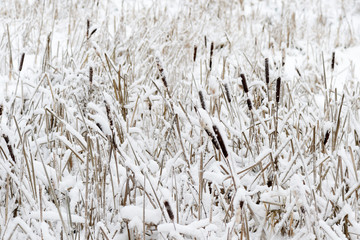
<point>213,138</point>
<point>195,51</point>
<point>99,126</point>
<point>21,61</point>
<point>91,75</point>
<point>205,41</point>
<point>211,54</point>
<point>6,138</point>
<point>267,70</point>
<point>92,32</point>
<point>161,70</point>
<point>1,109</point>
<point>326,138</point>
<point>112,138</point>
<point>169,211</point>
<point>278,85</point>
<point>227,92</point>
<point>243,81</point>
<point>108,115</point>
<point>87,28</point>
<point>220,140</point>
<point>241,204</point>
<point>333,61</point>
<point>248,101</point>
<point>201,96</point>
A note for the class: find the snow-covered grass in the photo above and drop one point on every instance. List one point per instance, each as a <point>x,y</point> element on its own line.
<point>155,119</point>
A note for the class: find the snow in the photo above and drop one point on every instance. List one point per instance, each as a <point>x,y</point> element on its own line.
<point>54,216</point>
<point>131,212</point>
<point>101,153</point>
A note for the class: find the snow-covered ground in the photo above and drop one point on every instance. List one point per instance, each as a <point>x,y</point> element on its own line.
<point>153,119</point>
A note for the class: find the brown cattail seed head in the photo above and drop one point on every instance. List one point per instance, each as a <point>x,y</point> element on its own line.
<point>195,51</point>
<point>161,71</point>
<point>92,32</point>
<point>91,75</point>
<point>211,54</point>
<point>10,148</point>
<point>248,101</point>
<point>243,81</point>
<point>326,138</point>
<point>109,116</point>
<point>213,138</point>
<point>241,204</point>
<point>278,85</point>
<point>87,28</point>
<point>21,61</point>
<point>267,70</point>
<point>201,96</point>
<point>169,211</point>
<point>333,61</point>
<point>227,92</point>
<point>221,141</point>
